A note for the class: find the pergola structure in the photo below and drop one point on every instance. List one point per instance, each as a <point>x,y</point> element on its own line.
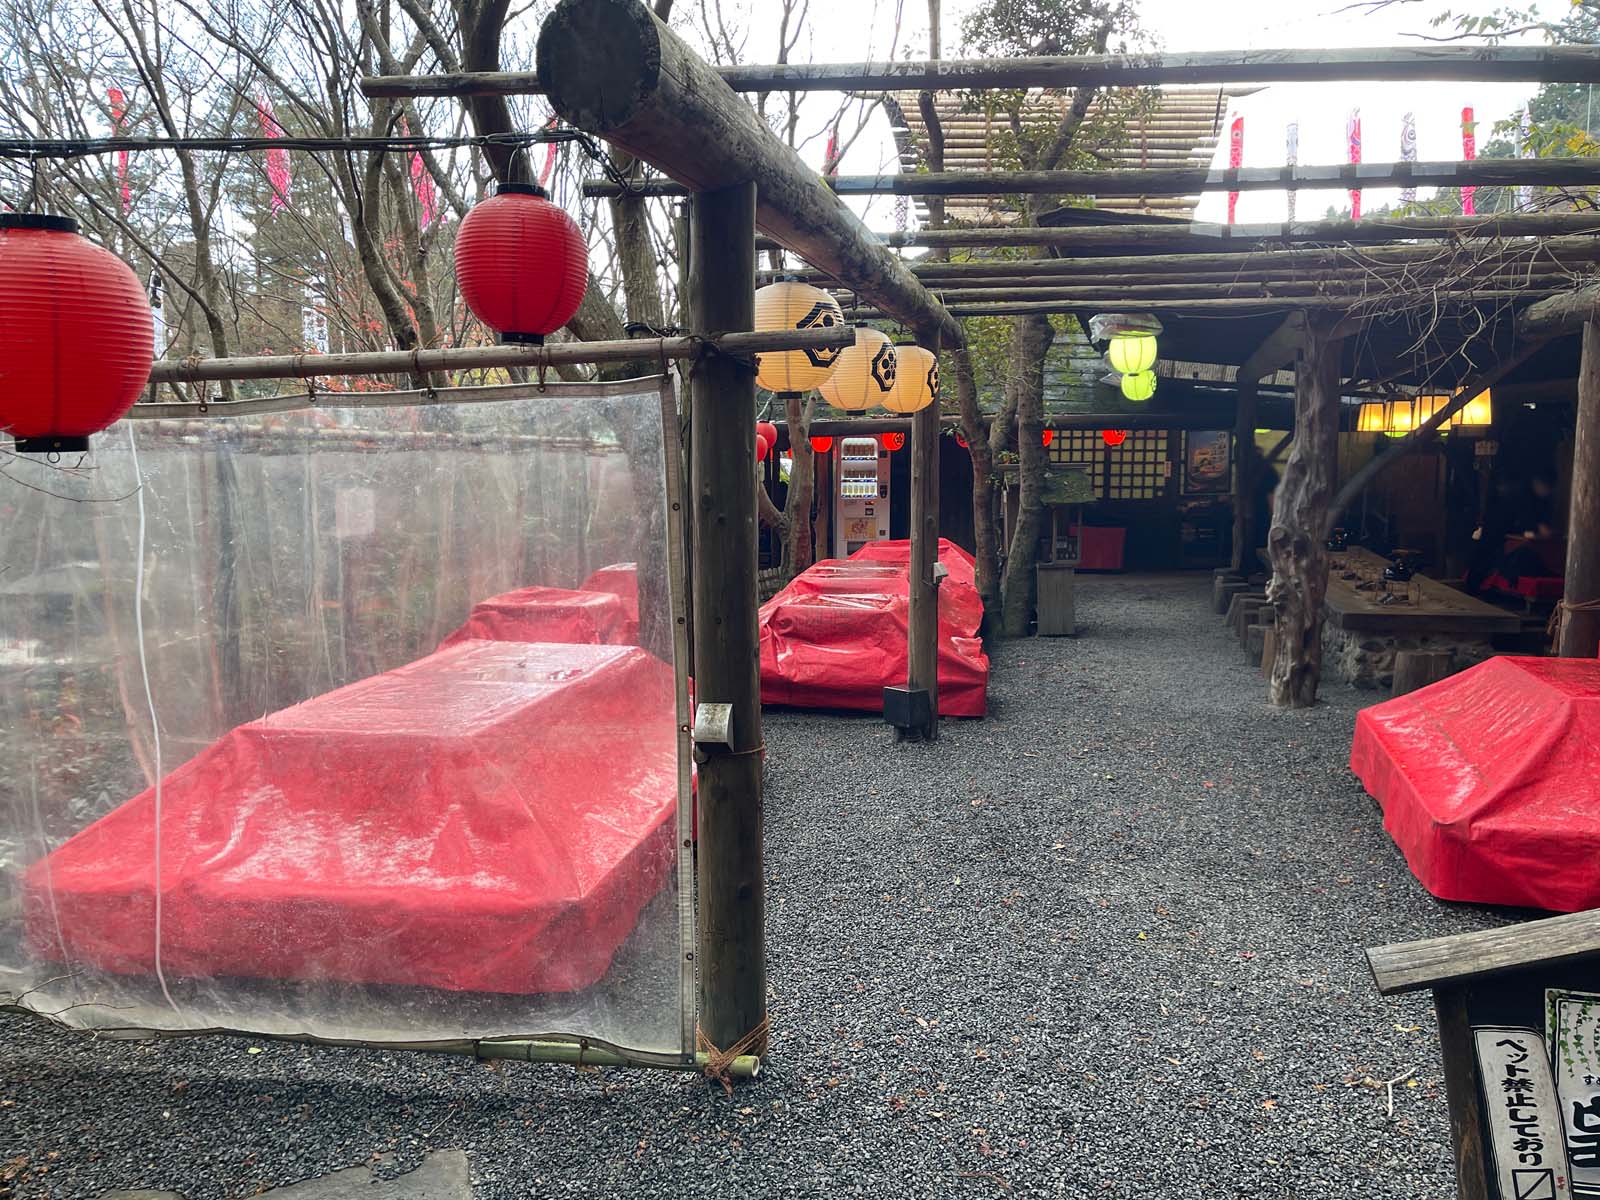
<point>1337,299</point>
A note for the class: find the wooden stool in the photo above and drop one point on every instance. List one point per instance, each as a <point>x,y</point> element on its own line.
<point>1243,612</point>
<point>1414,669</point>
<point>1224,592</point>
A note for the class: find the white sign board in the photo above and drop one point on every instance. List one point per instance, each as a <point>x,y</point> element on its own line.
<point>1523,1112</point>
<point>1572,1020</point>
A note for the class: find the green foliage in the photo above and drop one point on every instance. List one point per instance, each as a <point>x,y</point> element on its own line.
<point>1010,28</point>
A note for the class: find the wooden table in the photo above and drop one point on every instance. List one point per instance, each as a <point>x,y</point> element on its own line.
<point>1438,608</point>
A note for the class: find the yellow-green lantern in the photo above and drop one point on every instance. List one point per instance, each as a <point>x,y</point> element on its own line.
<point>1139,386</point>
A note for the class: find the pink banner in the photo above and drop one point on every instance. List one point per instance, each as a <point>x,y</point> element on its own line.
<point>1469,151</point>
<point>1352,130</point>
<point>549,156</point>
<point>422,186</point>
<point>119,126</point>
<point>1235,161</point>
<point>277,160</point>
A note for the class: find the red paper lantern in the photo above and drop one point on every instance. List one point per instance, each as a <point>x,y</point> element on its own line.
<point>1113,437</point>
<point>893,441</point>
<point>1048,436</point>
<point>822,444</point>
<point>769,431</point>
<point>961,440</point>
<point>76,335</point>
<point>521,263</point>
<point>762,447</point>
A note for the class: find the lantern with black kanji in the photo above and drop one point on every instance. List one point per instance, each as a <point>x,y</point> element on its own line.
<point>865,373</point>
<point>76,335</point>
<point>792,305</point>
<point>916,380</point>
<point>521,263</point>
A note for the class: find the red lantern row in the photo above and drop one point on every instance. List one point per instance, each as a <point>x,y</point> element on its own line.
<point>1113,437</point>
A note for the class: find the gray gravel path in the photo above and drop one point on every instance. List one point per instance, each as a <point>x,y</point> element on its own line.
<point>1106,942</point>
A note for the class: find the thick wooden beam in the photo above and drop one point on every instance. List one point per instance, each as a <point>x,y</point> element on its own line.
<point>1560,314</point>
<point>1190,181</point>
<point>730,857</point>
<point>1348,288</point>
<point>1450,273</point>
<point>611,68</point>
<point>1295,542</point>
<point>1580,617</point>
<point>1505,64</point>
<point>1086,241</point>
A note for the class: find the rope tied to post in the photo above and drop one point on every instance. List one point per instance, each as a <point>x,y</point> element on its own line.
<point>718,1062</point>
<point>706,347</point>
<point>1558,618</point>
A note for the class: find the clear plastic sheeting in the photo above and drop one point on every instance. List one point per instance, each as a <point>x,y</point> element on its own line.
<point>355,724</point>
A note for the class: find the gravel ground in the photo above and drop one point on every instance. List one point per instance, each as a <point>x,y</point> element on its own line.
<point>1106,942</point>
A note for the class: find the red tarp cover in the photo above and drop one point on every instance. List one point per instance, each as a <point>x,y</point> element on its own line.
<point>1490,781</point>
<point>836,636</point>
<point>547,614</point>
<point>490,818</point>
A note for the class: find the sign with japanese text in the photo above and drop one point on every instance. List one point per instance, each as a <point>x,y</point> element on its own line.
<point>1524,1114</point>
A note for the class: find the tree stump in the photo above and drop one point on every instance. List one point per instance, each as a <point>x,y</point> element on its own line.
<point>1414,669</point>
<point>1269,649</point>
<point>1244,612</point>
<point>1223,594</point>
<point>1255,643</point>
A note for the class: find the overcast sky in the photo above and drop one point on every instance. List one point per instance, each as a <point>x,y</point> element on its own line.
<point>851,30</point>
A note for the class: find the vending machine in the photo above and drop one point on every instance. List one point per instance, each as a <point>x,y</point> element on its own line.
<point>861,497</point>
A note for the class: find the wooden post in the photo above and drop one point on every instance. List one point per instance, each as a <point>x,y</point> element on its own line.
<point>922,621</point>
<point>1295,543</point>
<point>1461,1090</point>
<point>732,950</point>
<point>1580,627</point>
<point>1415,669</point>
<point>1244,476</point>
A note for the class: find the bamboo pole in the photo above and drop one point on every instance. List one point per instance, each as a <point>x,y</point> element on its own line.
<point>395,362</point>
<point>1416,275</point>
<point>1580,606</point>
<point>1187,181</point>
<point>1506,64</point>
<point>732,879</point>
<point>1202,236</point>
<point>1547,254</point>
<point>1288,291</point>
<point>1124,303</point>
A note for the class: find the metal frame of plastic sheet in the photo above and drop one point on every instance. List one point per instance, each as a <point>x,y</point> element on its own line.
<point>266,772</point>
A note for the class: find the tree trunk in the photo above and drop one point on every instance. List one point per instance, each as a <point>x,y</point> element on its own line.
<point>1030,340</point>
<point>801,552</point>
<point>1296,541</point>
<point>985,538</point>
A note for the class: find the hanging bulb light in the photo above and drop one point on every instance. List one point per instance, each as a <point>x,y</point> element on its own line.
<point>1139,387</point>
<point>916,380</point>
<point>864,374</point>
<point>76,334</point>
<point>521,263</point>
<point>792,305</point>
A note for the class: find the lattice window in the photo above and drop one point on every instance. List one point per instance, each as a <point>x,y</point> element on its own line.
<point>1137,469</point>
<point>1081,448</point>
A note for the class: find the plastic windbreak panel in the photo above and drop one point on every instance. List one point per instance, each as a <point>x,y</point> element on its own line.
<point>350,724</point>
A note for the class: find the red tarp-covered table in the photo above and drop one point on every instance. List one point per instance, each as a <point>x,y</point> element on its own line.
<point>548,614</point>
<point>490,818</point>
<point>1490,781</point>
<point>836,636</point>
